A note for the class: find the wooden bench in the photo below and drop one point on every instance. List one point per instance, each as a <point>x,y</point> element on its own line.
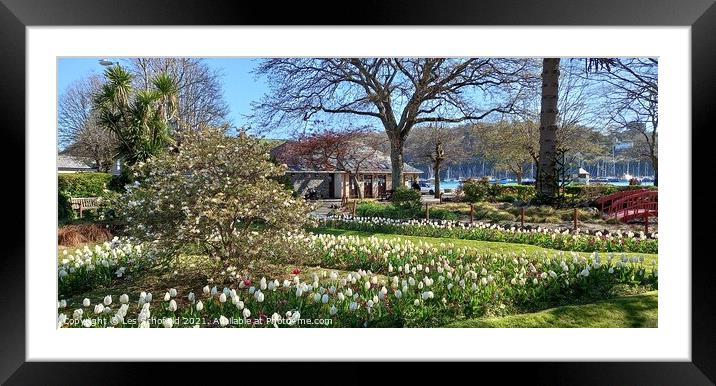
<point>83,203</point>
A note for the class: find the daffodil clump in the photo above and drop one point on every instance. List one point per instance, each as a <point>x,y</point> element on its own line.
<point>561,239</point>
<point>87,268</point>
<point>413,288</point>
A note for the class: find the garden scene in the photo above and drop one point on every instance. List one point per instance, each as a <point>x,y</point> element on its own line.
<point>357,192</point>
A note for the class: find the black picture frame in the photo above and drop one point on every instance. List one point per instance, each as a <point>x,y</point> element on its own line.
<point>15,15</point>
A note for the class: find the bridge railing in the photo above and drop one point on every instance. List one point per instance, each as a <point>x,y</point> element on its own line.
<point>608,200</point>
<point>632,205</point>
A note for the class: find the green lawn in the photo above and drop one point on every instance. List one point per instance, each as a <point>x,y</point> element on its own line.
<point>482,246</point>
<point>623,312</point>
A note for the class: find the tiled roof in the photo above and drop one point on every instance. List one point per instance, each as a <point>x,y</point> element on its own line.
<point>68,162</point>
<point>377,161</point>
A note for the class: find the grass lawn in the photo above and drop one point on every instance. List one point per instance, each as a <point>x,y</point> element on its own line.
<point>623,312</point>
<point>482,246</point>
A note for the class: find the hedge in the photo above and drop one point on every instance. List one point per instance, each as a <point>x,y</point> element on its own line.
<point>64,208</point>
<point>83,184</point>
<point>371,209</point>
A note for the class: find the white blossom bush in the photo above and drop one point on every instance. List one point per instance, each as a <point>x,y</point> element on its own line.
<point>215,192</point>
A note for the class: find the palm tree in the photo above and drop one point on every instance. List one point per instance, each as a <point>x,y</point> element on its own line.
<point>141,120</point>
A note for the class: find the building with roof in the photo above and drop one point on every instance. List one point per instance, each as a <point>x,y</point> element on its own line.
<point>73,164</point>
<point>368,173</point>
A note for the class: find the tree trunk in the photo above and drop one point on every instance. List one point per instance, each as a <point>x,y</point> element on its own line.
<point>518,177</point>
<point>359,188</point>
<point>437,177</point>
<point>547,181</point>
<point>655,165</point>
<point>396,161</point>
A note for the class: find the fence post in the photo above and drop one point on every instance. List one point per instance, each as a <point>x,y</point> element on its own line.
<point>522,217</point>
<point>427,211</point>
<point>354,208</point>
<point>575,218</point>
<point>472,212</point>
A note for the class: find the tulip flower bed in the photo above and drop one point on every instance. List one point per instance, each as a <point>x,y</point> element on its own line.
<point>561,239</point>
<point>390,284</point>
<point>87,268</point>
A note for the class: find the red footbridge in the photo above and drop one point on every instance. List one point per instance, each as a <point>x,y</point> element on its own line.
<point>630,205</point>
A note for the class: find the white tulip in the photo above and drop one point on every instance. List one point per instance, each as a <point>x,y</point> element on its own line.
<point>168,322</point>
<point>167,297</point>
<point>333,310</point>
<point>173,292</point>
<point>317,297</point>
<point>416,302</point>
<point>86,302</point>
<point>222,297</point>
<point>398,294</point>
<point>148,298</point>
<point>87,323</point>
<point>199,305</point>
<point>366,285</point>
<point>262,283</point>
<point>98,309</point>
<point>259,296</point>
<point>172,305</point>
<point>324,298</point>
<point>246,313</point>
<point>124,299</point>
<point>206,290</point>
<point>191,297</point>
<point>108,300</point>
<point>223,321</point>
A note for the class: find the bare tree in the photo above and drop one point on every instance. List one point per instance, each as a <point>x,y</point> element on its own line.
<point>437,145</point>
<point>200,96</point>
<point>399,92</point>
<point>79,133</point>
<point>633,102</point>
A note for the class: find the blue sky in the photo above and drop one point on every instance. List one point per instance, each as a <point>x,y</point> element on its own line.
<point>240,88</point>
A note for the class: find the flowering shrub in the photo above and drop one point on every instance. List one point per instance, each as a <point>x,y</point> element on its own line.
<point>87,268</point>
<point>475,190</point>
<point>405,198</point>
<point>419,288</point>
<point>562,239</point>
<point>215,192</point>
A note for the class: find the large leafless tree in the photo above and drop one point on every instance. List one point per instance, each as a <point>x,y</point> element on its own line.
<point>200,100</point>
<point>78,130</point>
<point>400,93</point>
<point>633,102</point>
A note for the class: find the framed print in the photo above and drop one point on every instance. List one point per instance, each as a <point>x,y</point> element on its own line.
<point>470,182</point>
